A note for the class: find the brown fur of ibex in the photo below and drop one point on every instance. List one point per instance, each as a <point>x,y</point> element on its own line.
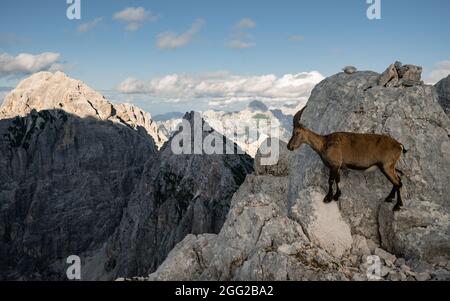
<point>353,151</point>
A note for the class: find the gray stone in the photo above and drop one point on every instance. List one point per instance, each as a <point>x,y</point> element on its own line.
<point>267,163</point>
<point>349,69</point>
<point>423,276</point>
<point>389,77</point>
<point>397,75</point>
<point>413,117</point>
<point>400,262</point>
<point>384,271</point>
<point>386,256</point>
<point>443,90</point>
<point>257,242</point>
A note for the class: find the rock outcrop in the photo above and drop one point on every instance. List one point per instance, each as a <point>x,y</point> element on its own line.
<point>443,90</point>
<point>49,91</point>
<point>412,116</point>
<point>399,75</point>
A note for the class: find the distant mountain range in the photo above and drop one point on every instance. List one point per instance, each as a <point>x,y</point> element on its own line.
<point>226,122</point>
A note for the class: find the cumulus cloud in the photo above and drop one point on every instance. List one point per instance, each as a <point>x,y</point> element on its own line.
<point>440,71</point>
<point>240,37</point>
<point>225,88</point>
<point>89,25</point>
<point>26,63</point>
<point>172,40</point>
<point>134,17</point>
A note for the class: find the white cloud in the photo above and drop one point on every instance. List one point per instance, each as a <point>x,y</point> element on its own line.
<point>440,71</point>
<point>89,25</point>
<point>240,37</point>
<point>134,17</point>
<point>225,88</point>
<point>245,23</point>
<point>26,63</point>
<point>296,38</point>
<point>172,40</point>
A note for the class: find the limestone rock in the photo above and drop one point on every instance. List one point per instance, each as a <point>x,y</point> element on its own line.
<point>64,183</point>
<point>386,256</point>
<point>178,194</point>
<point>413,117</point>
<point>257,242</point>
<point>443,90</point>
<point>397,75</point>
<point>276,163</point>
<point>349,69</point>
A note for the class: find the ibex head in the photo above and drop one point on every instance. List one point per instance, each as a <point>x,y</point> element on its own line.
<point>299,132</point>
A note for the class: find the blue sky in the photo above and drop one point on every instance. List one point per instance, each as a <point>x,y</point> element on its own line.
<point>277,38</point>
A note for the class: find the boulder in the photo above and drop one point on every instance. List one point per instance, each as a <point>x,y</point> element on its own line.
<point>349,69</point>
<point>413,117</point>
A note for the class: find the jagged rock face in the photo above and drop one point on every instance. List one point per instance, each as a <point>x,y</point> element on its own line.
<point>411,115</point>
<point>257,242</point>
<point>399,75</point>
<point>178,195</point>
<point>443,90</point>
<point>64,183</point>
<point>48,91</point>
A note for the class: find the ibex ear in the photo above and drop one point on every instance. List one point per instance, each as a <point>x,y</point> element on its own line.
<point>298,117</point>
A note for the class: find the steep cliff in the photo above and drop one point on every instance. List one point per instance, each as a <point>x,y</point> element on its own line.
<point>64,182</point>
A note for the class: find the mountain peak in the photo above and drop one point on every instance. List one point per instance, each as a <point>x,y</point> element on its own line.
<point>257,105</point>
<point>49,91</point>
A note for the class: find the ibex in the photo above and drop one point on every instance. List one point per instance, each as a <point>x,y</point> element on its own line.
<point>353,151</point>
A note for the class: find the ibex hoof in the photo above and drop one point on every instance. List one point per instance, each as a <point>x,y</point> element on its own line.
<point>328,199</point>
<point>397,208</point>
